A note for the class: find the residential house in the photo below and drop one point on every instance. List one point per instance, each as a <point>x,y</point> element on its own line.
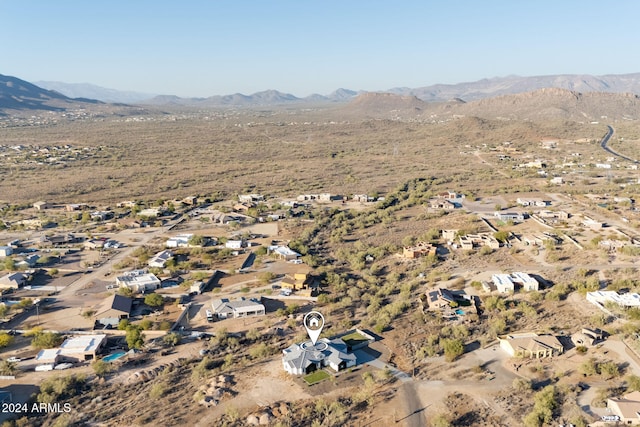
<point>450,195</point>
<point>363,198</point>
<point>225,309</point>
<point>531,345</point>
<point>14,280</point>
<point>138,281</point>
<point>160,259</point>
<point>150,212</point>
<point>249,198</point>
<point>449,235</point>
<point>471,241</point>
<point>179,241</point>
<point>93,244</point>
<point>75,207</point>
<point>235,244</point>
<point>40,206</point>
<point>75,349</point>
<point>440,298</point>
<point>503,283</point>
<point>511,216</point>
<point>101,215</point>
<point>560,215</point>
<point>301,359</point>
<point>601,298</point>
<point>418,250</point>
<point>533,202</point>
<point>190,200</point>
<point>5,251</point>
<point>442,205</point>
<point>298,282</point>
<point>587,337</point>
<point>283,252</point>
<point>592,223</point>
<point>626,407</point>
<point>28,261</point>
<point>527,282</point>
<point>113,310</point>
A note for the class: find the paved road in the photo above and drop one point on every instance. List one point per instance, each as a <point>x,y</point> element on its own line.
<point>605,141</point>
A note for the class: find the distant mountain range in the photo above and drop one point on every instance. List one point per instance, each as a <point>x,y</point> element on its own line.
<point>87,90</point>
<point>486,88</point>
<point>16,94</point>
<point>578,97</point>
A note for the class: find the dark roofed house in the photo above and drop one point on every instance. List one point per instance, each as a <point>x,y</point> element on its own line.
<point>14,280</point>
<point>113,310</point>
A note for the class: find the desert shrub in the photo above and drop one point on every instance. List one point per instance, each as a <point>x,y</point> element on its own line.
<point>5,339</point>
<point>56,389</point>
<point>44,340</point>
<point>453,348</point>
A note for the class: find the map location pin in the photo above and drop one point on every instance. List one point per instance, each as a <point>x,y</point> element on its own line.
<point>313,323</point>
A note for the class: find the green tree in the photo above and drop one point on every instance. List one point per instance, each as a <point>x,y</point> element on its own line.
<point>134,337</point>
<point>5,340</point>
<point>196,240</point>
<point>453,348</point>
<point>8,368</point>
<point>171,339</point>
<point>123,324</point>
<point>146,324</point>
<point>42,340</point>
<point>502,236</point>
<point>153,300</point>
<point>101,368</point>
<point>633,383</point>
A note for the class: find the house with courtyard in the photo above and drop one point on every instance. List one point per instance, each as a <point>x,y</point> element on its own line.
<point>440,298</point>
<point>420,249</point>
<point>471,241</point>
<point>304,358</point>
<point>531,345</point>
<point>242,307</point>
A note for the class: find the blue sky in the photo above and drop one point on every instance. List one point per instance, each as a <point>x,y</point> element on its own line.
<point>217,47</point>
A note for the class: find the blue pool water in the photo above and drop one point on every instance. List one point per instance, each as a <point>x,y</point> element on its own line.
<point>460,312</point>
<point>114,356</point>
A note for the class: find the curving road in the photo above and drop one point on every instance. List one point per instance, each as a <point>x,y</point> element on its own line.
<point>605,140</point>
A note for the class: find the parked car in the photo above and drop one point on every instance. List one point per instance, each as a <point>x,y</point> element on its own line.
<point>62,366</point>
<point>45,367</point>
<point>14,359</point>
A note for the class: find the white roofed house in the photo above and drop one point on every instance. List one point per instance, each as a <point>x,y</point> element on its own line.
<point>503,283</point>
<point>283,252</point>
<point>225,309</point>
<point>138,281</point>
<point>5,251</point>
<point>160,259</point>
<point>179,241</point>
<point>528,283</point>
<point>76,349</point>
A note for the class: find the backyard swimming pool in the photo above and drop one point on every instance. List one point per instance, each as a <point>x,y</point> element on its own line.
<point>113,356</point>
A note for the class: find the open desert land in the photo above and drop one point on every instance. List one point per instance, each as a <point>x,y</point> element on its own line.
<point>436,235</point>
